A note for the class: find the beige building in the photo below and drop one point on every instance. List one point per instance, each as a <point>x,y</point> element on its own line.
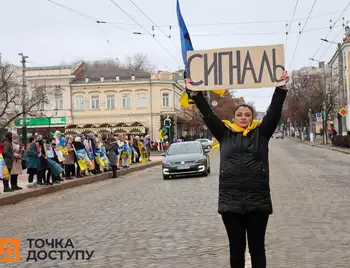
<point>57,113</point>
<point>122,101</point>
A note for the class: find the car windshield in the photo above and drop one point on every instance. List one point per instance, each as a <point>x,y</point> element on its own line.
<point>184,148</point>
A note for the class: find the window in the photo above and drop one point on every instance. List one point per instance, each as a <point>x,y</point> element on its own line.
<point>165,99</point>
<point>177,102</point>
<point>41,106</point>
<point>79,103</point>
<point>184,148</point>
<point>141,100</point>
<point>95,102</point>
<point>58,101</point>
<point>126,102</point>
<point>110,102</point>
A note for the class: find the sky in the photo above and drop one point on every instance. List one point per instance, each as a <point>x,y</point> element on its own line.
<point>52,35</point>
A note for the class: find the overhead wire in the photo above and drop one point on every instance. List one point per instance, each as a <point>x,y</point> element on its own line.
<point>296,47</point>
<point>234,22</point>
<point>153,23</point>
<point>332,42</point>
<point>331,28</point>
<point>126,13</point>
<point>290,25</point>
<point>98,21</point>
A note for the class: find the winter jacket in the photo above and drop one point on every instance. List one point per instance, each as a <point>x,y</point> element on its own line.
<point>244,165</point>
<point>8,153</point>
<point>42,159</point>
<point>113,152</point>
<point>32,156</point>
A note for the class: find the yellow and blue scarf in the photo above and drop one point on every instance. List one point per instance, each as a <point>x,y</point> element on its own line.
<point>235,128</point>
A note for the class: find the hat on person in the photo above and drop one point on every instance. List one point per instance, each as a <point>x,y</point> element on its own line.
<point>77,139</point>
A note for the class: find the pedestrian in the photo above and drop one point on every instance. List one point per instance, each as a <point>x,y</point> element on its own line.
<point>54,165</point>
<point>8,158</point>
<point>244,192</point>
<point>33,162</point>
<point>16,170</point>
<point>68,162</point>
<point>43,165</point>
<point>77,145</point>
<point>113,152</point>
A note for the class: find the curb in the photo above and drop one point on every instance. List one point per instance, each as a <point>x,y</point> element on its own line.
<point>319,146</point>
<point>18,197</point>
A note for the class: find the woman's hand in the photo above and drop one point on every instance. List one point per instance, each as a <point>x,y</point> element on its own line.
<point>188,82</point>
<point>285,78</point>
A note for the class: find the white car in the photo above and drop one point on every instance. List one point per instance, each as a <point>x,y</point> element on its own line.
<point>206,143</point>
<point>279,135</point>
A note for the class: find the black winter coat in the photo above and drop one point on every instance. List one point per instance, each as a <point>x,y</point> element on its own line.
<point>244,164</point>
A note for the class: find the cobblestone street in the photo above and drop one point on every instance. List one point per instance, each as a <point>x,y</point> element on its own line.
<point>142,221</point>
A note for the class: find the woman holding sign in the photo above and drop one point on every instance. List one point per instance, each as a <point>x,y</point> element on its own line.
<point>244,191</point>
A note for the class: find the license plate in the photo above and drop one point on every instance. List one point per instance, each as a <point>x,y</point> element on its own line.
<point>183,167</point>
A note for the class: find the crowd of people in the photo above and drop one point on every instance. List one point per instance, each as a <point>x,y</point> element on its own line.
<point>49,161</point>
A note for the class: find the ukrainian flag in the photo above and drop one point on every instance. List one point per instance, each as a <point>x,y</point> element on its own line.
<point>186,45</point>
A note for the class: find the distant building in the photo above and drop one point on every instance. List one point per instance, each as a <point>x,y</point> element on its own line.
<point>259,115</point>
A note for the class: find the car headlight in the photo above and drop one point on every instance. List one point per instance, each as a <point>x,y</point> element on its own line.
<point>199,161</point>
<point>166,162</point>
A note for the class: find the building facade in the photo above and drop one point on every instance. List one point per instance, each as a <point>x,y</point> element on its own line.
<point>57,113</point>
<point>123,102</point>
<point>340,64</point>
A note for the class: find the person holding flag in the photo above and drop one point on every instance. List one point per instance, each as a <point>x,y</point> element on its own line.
<point>244,190</point>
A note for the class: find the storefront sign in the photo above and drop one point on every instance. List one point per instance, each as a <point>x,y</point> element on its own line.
<point>41,121</point>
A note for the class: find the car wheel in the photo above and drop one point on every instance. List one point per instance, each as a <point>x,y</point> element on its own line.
<point>208,170</point>
<point>166,177</point>
<point>205,173</point>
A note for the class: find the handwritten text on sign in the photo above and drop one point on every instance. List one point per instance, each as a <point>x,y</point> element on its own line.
<point>229,68</point>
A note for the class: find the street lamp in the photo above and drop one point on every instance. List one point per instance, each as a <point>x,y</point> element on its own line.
<point>23,93</point>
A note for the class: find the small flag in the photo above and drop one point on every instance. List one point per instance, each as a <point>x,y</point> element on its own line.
<point>186,45</point>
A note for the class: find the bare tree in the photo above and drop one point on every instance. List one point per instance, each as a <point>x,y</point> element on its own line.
<point>139,62</point>
<point>11,101</point>
<point>311,91</point>
<point>226,105</point>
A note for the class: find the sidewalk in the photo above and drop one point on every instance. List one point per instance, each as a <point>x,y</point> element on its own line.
<point>318,143</point>
<point>20,195</point>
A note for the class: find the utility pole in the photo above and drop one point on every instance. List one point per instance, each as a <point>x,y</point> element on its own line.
<point>24,124</point>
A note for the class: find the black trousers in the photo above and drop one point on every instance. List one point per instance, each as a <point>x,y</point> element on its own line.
<point>32,172</point>
<point>114,171</point>
<point>69,170</point>
<point>254,225</point>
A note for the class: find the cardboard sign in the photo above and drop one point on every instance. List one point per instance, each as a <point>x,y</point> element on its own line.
<point>236,68</point>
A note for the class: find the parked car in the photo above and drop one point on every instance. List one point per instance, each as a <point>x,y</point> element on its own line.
<point>206,143</point>
<point>279,135</point>
<point>186,158</point>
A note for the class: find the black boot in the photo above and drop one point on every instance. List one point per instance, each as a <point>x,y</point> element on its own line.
<point>6,186</point>
<point>14,181</point>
